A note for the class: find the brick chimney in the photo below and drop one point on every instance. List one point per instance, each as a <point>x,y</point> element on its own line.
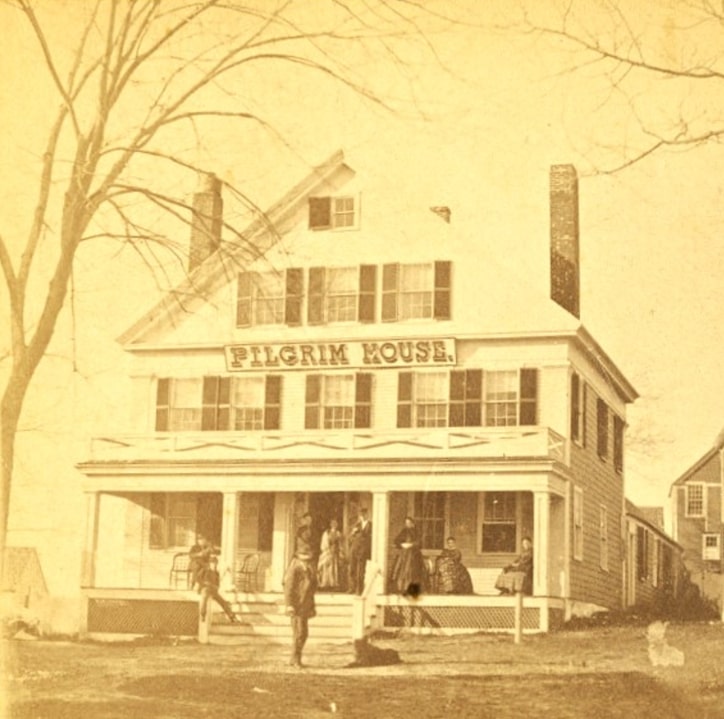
<point>565,272</point>
<point>206,219</point>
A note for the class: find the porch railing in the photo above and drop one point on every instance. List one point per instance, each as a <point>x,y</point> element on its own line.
<point>484,442</point>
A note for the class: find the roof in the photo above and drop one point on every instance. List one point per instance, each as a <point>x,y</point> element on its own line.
<point>652,517</point>
<point>703,460</point>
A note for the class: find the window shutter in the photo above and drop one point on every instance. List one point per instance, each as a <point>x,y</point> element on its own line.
<point>363,400</point>
<point>528,396</point>
<point>315,300</point>
<point>618,427</point>
<point>223,401</point>
<point>312,399</point>
<point>293,296</point>
<point>456,406</point>
<point>575,407</point>
<point>162,404</point>
<point>390,281</point>
<point>442,291</point>
<point>210,397</point>
<point>602,428</point>
<point>367,286</point>
<point>404,399</point>
<point>157,526</point>
<point>272,401</point>
<point>243,300</point>
<point>584,415</point>
<point>320,213</point>
<point>473,398</point>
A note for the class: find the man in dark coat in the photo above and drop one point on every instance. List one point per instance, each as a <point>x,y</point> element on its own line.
<point>360,550</point>
<point>300,583</point>
<point>209,579</point>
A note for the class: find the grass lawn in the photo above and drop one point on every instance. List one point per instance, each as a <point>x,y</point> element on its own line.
<point>593,673</point>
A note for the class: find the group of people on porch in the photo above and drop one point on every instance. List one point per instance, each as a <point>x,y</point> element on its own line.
<point>412,574</point>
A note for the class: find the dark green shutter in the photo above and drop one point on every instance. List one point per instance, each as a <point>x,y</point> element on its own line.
<point>293,296</point>
<point>363,400</point>
<point>404,399</point>
<point>575,406</point>
<point>390,279</point>
<point>442,291</point>
<point>157,525</point>
<point>162,404</point>
<point>209,404</point>
<point>367,286</point>
<point>315,299</point>
<point>320,213</point>
<point>312,398</point>
<point>272,402</point>
<point>473,398</point>
<point>528,396</point>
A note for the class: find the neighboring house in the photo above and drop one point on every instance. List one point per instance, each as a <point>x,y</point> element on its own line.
<point>23,583</point>
<point>698,514</point>
<point>653,560</point>
<point>336,372</point>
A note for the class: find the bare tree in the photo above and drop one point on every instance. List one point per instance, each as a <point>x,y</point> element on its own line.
<point>663,67</point>
<point>141,75</point>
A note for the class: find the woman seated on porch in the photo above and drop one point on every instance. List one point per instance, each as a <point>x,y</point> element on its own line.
<point>518,576</point>
<point>452,575</point>
<point>409,573</point>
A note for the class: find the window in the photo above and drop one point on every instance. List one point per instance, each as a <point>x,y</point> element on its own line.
<point>428,511</point>
<point>338,401</point>
<point>710,547</point>
<point>664,572</point>
<point>218,403</point>
<point>173,520</point>
<point>578,410</point>
<point>577,523</point>
<point>419,291</point>
<point>499,522</point>
<point>178,405</point>
<point>269,298</point>
<point>642,554</point>
<point>341,294</point>
<point>694,500</point>
<point>327,213</point>
<point>603,537</point>
<point>467,398</point>
<point>618,426</point>
<point>602,428</point>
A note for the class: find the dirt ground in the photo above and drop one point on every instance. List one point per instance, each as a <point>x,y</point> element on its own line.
<point>594,673</point>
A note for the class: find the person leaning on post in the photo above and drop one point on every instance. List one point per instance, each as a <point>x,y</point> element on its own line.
<point>300,583</point>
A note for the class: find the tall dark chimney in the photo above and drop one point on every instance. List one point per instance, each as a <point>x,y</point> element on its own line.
<point>565,273</point>
<point>206,220</point>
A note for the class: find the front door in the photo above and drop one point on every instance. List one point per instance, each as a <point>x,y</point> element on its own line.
<point>324,507</point>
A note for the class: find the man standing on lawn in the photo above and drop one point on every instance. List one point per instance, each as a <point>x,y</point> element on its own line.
<point>300,583</point>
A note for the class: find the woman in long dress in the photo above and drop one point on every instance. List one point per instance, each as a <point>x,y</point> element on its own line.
<point>452,575</point>
<point>409,575</point>
<point>330,550</point>
<point>518,576</point>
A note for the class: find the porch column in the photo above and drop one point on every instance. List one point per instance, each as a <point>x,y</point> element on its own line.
<point>88,567</point>
<point>229,533</point>
<point>380,530</point>
<point>541,541</point>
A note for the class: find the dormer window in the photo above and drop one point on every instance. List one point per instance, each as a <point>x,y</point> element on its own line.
<point>333,213</point>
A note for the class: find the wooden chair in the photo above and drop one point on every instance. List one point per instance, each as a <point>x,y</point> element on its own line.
<point>247,574</point>
<point>180,571</point>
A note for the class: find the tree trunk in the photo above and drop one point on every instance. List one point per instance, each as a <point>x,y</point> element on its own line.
<point>9,416</point>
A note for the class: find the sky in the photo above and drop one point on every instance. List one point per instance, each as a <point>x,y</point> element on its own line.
<point>480,110</point>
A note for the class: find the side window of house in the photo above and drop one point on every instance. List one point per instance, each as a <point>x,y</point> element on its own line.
<point>711,547</point>
<point>505,518</point>
<point>218,403</point>
<point>341,294</point>
<point>694,500</point>
<point>333,213</point>
<point>338,401</point>
<point>578,409</point>
<point>416,291</point>
<point>602,428</point>
<point>269,298</point>
<point>467,398</point>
